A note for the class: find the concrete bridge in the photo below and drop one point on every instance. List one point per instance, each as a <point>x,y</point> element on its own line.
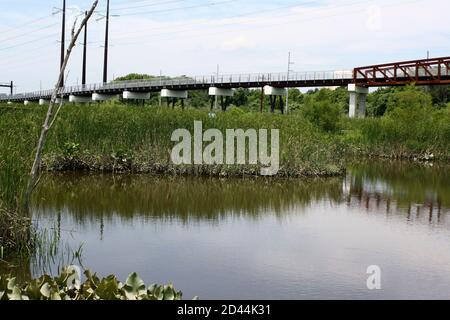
<point>434,71</point>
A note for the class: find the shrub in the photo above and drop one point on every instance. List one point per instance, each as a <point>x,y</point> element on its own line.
<point>324,114</point>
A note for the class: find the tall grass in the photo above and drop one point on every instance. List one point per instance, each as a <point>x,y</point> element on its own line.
<point>415,133</point>
<point>18,132</point>
<point>138,139</point>
<point>122,137</point>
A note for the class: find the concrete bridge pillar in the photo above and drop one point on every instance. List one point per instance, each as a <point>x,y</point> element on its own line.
<point>43,102</point>
<point>275,95</point>
<point>173,95</point>
<point>103,96</point>
<point>128,95</point>
<point>221,93</point>
<point>80,99</point>
<point>358,101</point>
<point>59,101</point>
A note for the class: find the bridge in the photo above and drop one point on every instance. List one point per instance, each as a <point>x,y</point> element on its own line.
<point>435,71</point>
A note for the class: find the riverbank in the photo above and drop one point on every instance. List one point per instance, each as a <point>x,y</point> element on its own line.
<point>118,138</point>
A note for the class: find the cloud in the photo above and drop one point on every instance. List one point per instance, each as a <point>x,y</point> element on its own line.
<point>335,35</point>
<point>236,43</point>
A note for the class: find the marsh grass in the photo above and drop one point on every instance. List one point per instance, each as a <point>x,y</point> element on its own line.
<point>116,137</point>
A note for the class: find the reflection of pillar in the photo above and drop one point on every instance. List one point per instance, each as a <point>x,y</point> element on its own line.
<point>102,227</point>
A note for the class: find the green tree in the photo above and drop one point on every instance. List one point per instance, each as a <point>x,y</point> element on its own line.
<point>409,98</point>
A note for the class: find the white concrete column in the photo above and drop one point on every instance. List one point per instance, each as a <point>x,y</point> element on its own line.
<point>274,91</point>
<point>79,99</point>
<point>167,93</point>
<point>136,95</point>
<point>353,103</point>
<point>362,105</point>
<point>358,101</point>
<point>221,92</point>
<point>102,96</point>
<point>58,101</point>
<point>43,102</point>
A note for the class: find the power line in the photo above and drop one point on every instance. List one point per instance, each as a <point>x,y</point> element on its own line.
<point>152,36</point>
<point>28,42</point>
<point>30,32</point>
<point>262,26</point>
<point>148,5</point>
<point>25,24</point>
<point>180,8</point>
<point>206,23</point>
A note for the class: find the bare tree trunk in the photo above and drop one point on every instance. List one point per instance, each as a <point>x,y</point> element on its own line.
<point>51,115</point>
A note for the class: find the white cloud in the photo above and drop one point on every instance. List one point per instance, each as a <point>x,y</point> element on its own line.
<point>335,36</point>
<point>236,43</point>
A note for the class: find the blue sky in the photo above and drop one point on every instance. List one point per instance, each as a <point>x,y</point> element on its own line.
<point>244,36</point>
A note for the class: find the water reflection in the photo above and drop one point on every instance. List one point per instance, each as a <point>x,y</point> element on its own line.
<point>413,191</point>
<point>88,198</point>
<point>419,192</point>
<point>263,238</point>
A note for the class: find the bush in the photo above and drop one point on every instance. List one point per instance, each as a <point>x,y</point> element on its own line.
<point>324,114</point>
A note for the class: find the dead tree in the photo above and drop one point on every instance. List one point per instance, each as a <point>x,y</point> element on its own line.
<point>51,112</point>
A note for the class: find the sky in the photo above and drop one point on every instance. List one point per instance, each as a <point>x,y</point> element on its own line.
<point>192,37</point>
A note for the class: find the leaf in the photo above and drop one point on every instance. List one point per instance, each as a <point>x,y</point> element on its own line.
<point>46,290</point>
<point>16,294</point>
<point>32,290</point>
<point>108,289</point>
<point>55,296</point>
<point>134,286</point>
<point>169,294</point>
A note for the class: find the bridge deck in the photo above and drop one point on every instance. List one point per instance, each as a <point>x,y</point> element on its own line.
<point>433,71</point>
<point>305,79</point>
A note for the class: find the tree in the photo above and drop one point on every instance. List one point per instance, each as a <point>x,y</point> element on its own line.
<point>440,95</point>
<point>409,98</point>
<point>52,114</point>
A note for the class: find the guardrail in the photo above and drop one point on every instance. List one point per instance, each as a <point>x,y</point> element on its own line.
<point>189,81</point>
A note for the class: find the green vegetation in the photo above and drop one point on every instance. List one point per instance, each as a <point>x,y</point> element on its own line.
<point>66,286</point>
<point>316,138</point>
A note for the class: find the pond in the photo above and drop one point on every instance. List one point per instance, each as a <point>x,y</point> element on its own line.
<point>260,238</point>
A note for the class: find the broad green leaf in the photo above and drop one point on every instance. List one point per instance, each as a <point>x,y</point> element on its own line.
<point>134,286</point>
<point>108,289</point>
<point>46,290</point>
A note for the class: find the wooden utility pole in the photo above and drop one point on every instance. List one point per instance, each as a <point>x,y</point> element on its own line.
<point>83,79</point>
<point>105,62</point>
<point>63,39</point>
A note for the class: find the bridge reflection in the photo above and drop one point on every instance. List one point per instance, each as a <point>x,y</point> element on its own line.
<point>413,192</point>
<point>419,193</point>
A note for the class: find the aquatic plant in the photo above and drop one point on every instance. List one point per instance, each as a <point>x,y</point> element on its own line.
<point>67,286</point>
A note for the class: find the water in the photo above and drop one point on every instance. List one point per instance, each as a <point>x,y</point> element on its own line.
<point>262,239</point>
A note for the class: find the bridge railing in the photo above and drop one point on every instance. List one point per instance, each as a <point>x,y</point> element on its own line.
<point>232,79</point>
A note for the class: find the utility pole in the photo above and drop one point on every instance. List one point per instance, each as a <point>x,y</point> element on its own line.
<point>217,80</point>
<point>83,80</point>
<point>105,62</point>
<point>160,83</point>
<point>290,63</point>
<point>63,38</point>
<point>12,87</point>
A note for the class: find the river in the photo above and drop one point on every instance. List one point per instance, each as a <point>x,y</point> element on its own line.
<point>260,238</point>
